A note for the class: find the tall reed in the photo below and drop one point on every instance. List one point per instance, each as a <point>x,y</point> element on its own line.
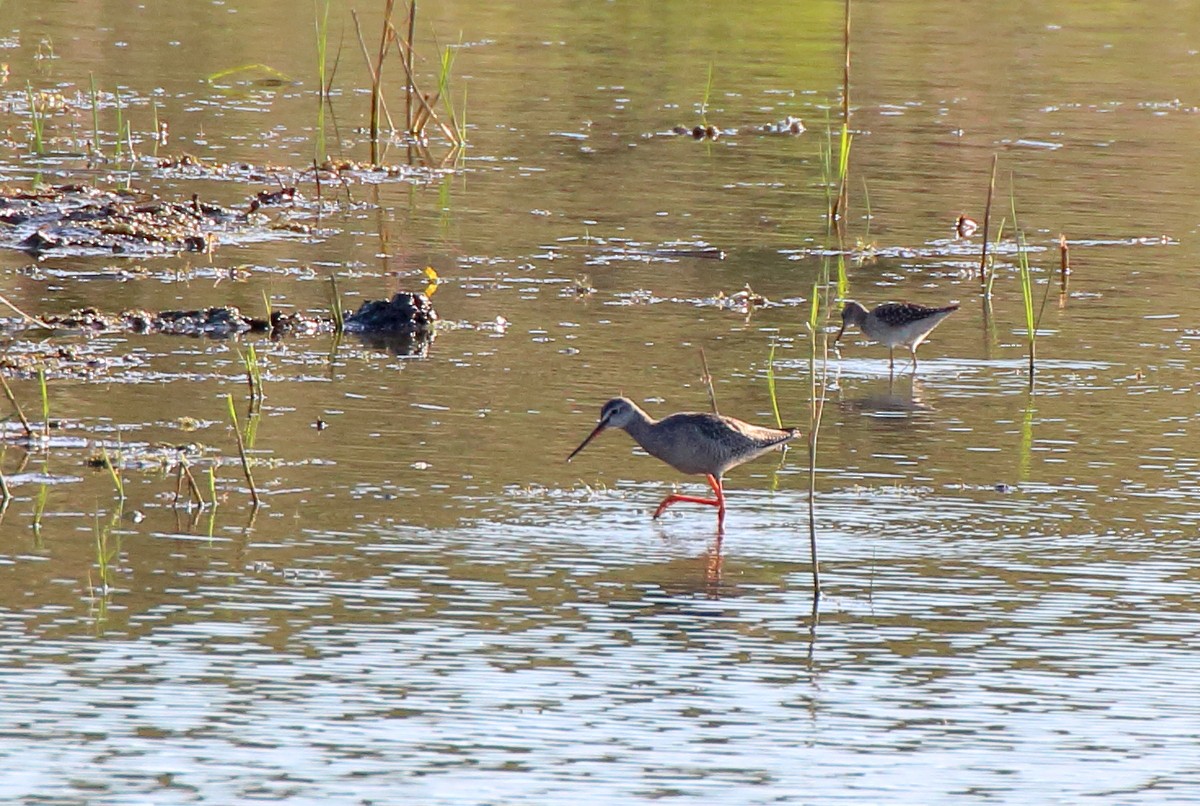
<point>708,383</point>
<point>253,369</point>
<point>335,306</point>
<point>107,552</point>
<point>116,475</point>
<point>815,411</point>
<point>120,125</point>
<point>771,385</point>
<point>237,432</point>
<point>985,284</point>
<point>322,26</point>
<point>708,85</point>
<point>1024,275</point>
<point>377,77</point>
<point>37,120</point>
<point>843,201</point>
<point>5,494</point>
<point>45,403</point>
<point>95,115</point>
<point>457,125</point>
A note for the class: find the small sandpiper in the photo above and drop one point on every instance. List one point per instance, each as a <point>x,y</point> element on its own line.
<point>895,324</point>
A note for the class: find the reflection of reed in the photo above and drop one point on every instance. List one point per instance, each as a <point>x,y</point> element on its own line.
<point>1026,457</point>
<point>1064,270</point>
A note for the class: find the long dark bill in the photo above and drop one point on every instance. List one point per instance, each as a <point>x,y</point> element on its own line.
<point>595,433</point>
<point>838,337</point>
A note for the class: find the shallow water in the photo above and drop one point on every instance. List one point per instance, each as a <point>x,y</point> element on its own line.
<point>433,606</point>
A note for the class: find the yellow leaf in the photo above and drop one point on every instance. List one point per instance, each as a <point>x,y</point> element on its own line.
<point>433,281</point>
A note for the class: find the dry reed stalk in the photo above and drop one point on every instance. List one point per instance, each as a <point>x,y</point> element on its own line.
<point>408,64</point>
<point>17,407</point>
<point>708,383</point>
<point>377,102</point>
<point>33,320</point>
<point>426,113</point>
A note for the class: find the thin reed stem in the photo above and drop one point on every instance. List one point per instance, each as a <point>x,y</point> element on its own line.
<point>708,383</point>
<point>407,60</point>
<point>116,477</point>
<point>335,306</point>
<point>816,409</point>
<point>1024,274</point>
<point>237,432</point>
<point>8,393</point>
<point>771,385</point>
<point>95,114</point>
<point>45,403</point>
<point>5,494</point>
<point>987,219</point>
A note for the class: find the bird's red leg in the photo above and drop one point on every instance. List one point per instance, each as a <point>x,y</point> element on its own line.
<point>718,502</point>
<point>718,488</point>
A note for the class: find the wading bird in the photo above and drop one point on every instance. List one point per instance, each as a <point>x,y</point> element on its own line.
<point>694,443</point>
<point>895,324</point>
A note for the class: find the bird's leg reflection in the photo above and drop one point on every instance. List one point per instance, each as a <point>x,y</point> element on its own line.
<point>712,568</point>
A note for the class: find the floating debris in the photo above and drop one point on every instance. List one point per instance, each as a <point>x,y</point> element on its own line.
<point>965,227</point>
<point>788,125</point>
<point>582,287</point>
<point>745,300</point>
<point>709,132</point>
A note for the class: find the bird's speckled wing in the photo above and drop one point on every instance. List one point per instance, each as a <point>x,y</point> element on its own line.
<point>695,442</point>
<point>898,314</point>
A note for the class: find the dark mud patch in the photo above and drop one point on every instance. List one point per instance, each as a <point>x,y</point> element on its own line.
<point>409,314</point>
<point>403,325</point>
<point>216,322</point>
<point>78,220</point>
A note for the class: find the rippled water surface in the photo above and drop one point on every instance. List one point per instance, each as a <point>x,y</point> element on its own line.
<point>431,606</point>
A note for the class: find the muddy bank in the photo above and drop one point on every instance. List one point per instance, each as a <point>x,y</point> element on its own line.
<point>77,220</point>
<point>405,314</point>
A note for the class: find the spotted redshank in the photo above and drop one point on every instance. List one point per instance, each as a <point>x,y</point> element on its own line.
<point>895,324</point>
<point>694,443</point>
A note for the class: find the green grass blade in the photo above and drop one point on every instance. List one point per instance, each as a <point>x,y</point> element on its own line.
<point>708,85</point>
<point>95,114</point>
<point>771,386</point>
